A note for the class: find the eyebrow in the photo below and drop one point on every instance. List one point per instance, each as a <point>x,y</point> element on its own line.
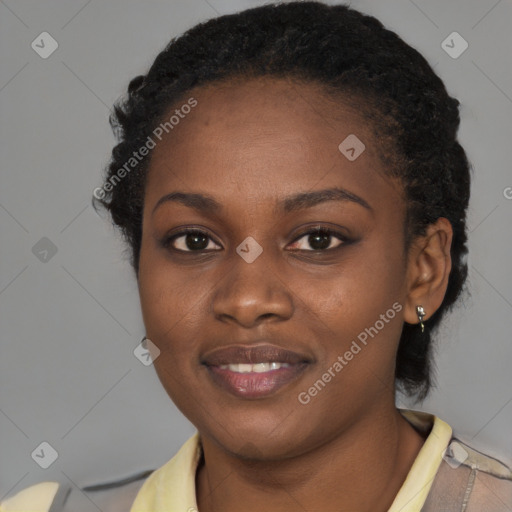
<point>207,204</point>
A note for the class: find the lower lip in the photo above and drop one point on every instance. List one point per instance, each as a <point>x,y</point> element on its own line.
<point>252,384</point>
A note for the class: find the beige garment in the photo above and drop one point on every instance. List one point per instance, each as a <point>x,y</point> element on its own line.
<point>469,481</point>
<point>464,481</point>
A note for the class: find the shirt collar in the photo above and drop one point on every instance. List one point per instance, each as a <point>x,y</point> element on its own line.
<point>172,486</point>
<point>415,489</point>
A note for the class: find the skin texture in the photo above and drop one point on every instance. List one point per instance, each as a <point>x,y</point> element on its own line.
<point>249,144</point>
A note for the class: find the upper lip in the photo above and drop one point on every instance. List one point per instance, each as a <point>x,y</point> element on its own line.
<point>254,354</point>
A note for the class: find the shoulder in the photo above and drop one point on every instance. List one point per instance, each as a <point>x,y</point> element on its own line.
<point>114,496</point>
<point>471,481</point>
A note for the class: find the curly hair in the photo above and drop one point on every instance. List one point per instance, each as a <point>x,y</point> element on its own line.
<point>351,55</point>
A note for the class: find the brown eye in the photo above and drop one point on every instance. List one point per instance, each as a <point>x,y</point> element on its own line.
<point>192,240</point>
<point>319,240</point>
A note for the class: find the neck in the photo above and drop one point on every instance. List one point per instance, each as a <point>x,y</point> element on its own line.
<point>362,469</point>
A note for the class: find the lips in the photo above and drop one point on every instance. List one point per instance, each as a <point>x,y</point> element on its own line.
<point>239,354</point>
<point>252,372</point>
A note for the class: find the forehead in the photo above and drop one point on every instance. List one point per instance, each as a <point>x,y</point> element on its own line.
<point>251,140</point>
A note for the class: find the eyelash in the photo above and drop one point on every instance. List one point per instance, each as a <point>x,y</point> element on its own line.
<point>167,242</point>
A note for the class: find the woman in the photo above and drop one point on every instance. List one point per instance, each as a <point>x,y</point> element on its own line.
<point>292,190</point>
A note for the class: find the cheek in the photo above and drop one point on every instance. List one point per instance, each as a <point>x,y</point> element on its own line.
<point>362,302</point>
<point>169,308</point>
<point>169,302</point>
<point>367,283</point>
<point>380,272</point>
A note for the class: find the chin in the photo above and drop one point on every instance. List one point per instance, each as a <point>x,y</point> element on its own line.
<point>263,438</point>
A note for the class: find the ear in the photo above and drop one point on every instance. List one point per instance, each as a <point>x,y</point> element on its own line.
<point>428,267</point>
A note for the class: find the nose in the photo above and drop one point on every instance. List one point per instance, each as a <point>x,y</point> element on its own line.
<point>252,293</point>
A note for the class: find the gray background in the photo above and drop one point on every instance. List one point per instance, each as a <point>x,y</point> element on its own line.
<point>69,325</point>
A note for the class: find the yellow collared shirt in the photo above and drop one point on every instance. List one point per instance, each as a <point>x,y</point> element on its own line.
<point>172,487</point>
<point>446,475</point>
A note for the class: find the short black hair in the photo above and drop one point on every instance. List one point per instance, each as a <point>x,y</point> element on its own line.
<point>350,54</point>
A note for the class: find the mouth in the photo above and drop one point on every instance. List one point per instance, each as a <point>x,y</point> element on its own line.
<point>256,371</point>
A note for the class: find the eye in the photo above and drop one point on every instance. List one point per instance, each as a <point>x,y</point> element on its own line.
<point>189,240</point>
<point>196,240</point>
<point>320,239</point>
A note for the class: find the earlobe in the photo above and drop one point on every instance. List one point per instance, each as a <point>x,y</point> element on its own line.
<point>428,270</point>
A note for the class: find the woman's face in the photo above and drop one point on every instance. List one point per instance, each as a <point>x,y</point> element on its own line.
<point>256,287</point>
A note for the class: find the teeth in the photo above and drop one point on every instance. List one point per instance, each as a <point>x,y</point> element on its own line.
<point>254,368</point>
